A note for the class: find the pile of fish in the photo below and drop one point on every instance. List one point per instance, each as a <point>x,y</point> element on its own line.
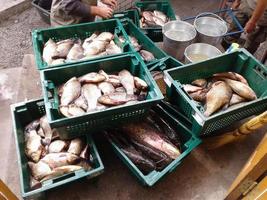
<point>50,157</point>
<point>99,91</point>
<point>151,144</point>
<point>146,55</point>
<point>221,91</point>
<point>154,18</point>
<point>68,50</point>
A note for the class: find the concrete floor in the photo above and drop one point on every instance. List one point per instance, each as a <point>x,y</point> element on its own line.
<point>203,175</point>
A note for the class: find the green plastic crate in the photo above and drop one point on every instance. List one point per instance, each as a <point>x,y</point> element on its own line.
<point>155,34</point>
<point>146,42</point>
<point>82,31</point>
<point>23,114</point>
<point>132,15</point>
<point>164,64</point>
<point>71,127</point>
<point>241,62</point>
<point>188,139</point>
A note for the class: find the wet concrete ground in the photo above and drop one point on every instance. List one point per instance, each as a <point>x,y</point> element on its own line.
<point>203,175</point>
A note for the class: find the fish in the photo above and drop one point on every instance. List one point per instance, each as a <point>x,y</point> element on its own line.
<point>34,125</point>
<point>75,53</point>
<point>59,171</point>
<point>127,81</point>
<point>64,110</point>
<point>158,21</point>
<point>58,61</point>
<point>91,93</point>
<point>121,39</point>
<point>95,47</point>
<point>88,40</point>
<point>100,107</point>
<point>241,89</point>
<point>147,135</point>
<point>140,84</point>
<point>105,36</point>
<point>116,98</point>
<point>135,43</point>
<point>47,129</point>
<point>75,110</point>
<point>63,48</point>
<point>71,91</point>
<point>191,88</point>
<point>200,82</point>
<point>148,15</point>
<point>55,160</point>
<point>106,88</point>
<point>57,146</point>
<point>114,81</point>
<point>34,184</point>
<point>81,102</point>
<point>235,99</point>
<point>199,95</point>
<point>147,56</point>
<point>49,51</point>
<point>76,146</point>
<point>102,72</point>
<point>120,89</point>
<point>86,165</point>
<point>152,23</point>
<point>232,76</point>
<point>85,153</point>
<point>167,130</point>
<point>112,49</point>
<point>161,15</point>
<point>92,77</point>
<point>39,170</point>
<point>41,132</point>
<point>161,160</point>
<point>144,164</point>
<point>218,96</point>
<point>33,146</point>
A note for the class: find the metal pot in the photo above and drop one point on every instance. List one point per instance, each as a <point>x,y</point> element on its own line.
<point>200,51</point>
<point>210,29</point>
<point>177,35</point>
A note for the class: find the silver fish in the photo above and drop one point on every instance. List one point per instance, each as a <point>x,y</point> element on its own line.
<point>127,81</point>
<point>200,82</point>
<point>76,146</point>
<point>87,41</point>
<point>81,102</point>
<point>85,153</point>
<point>106,87</point>
<point>34,125</point>
<point>85,165</point>
<point>47,129</point>
<point>112,49</point>
<point>102,72</point>
<point>135,43</point>
<point>116,98</point>
<point>105,36</point>
<point>95,47</point>
<point>231,75</point>
<point>75,110</point>
<point>158,21</point>
<point>39,170</point>
<point>58,61</point>
<point>55,160</point>
<point>147,56</point>
<point>218,96</point>
<point>92,77</point>
<point>57,146</point>
<point>33,146</point>
<point>235,99</point>
<point>59,171</point>
<point>49,51</point>
<point>63,48</point>
<point>91,93</point>
<point>241,89</point>
<point>148,15</point>
<point>191,88</point>
<point>120,89</point>
<point>161,15</point>
<point>64,110</point>
<point>75,53</point>
<point>71,91</point>
<point>140,84</point>
<point>34,184</point>
<point>41,132</point>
